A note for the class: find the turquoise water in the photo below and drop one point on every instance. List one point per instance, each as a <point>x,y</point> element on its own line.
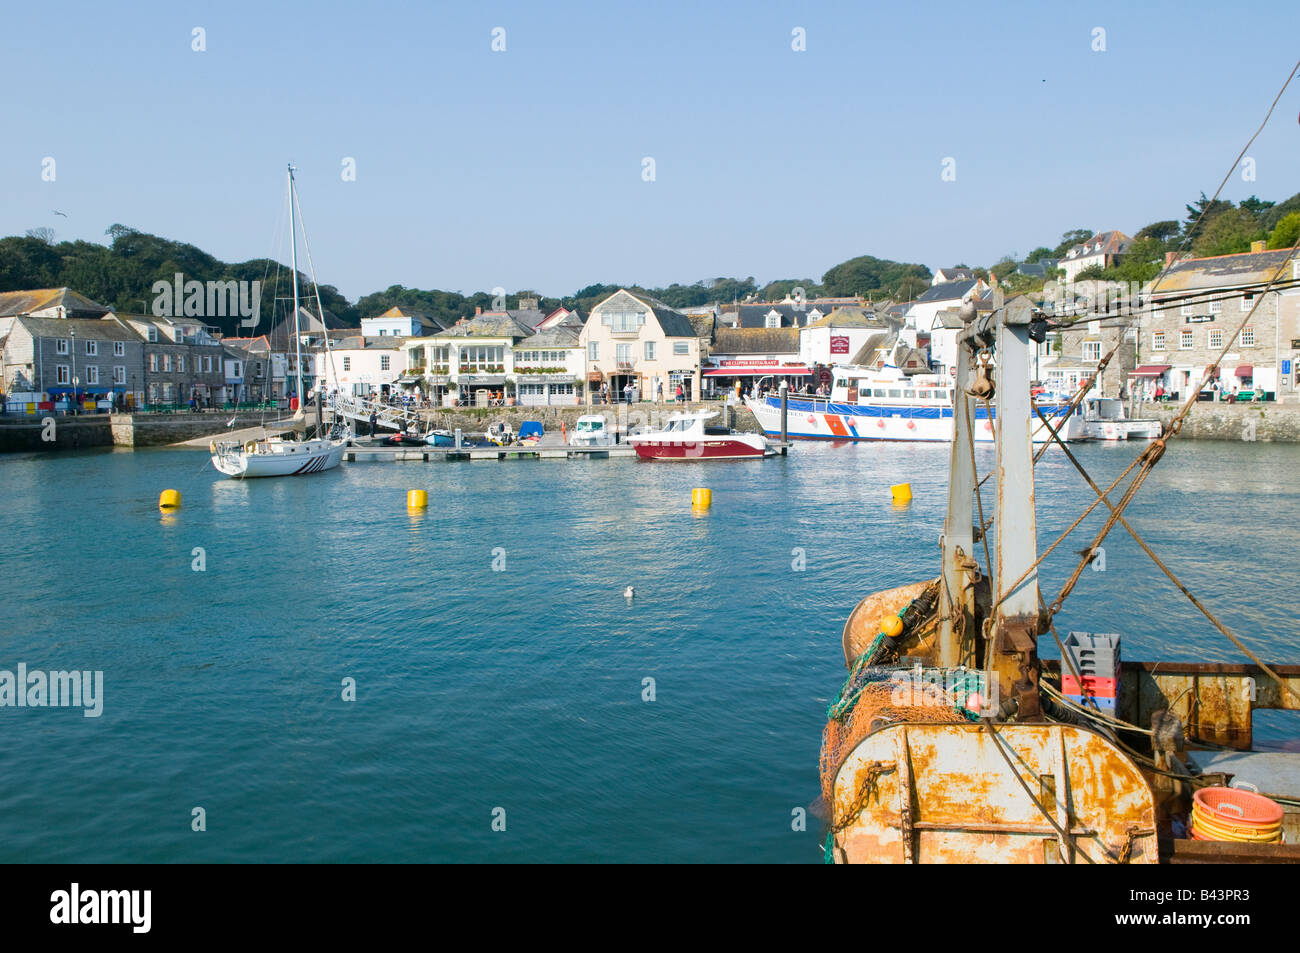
<point>522,688</point>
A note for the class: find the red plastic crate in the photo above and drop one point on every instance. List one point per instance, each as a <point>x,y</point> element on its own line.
<point>1092,685</point>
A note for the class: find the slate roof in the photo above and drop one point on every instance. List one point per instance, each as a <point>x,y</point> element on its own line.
<point>674,323</point>
<point>88,329</point>
<point>25,302</point>
<point>308,323</point>
<point>755,315</point>
<point>490,324</point>
<point>1036,269</point>
<point>849,318</point>
<point>1222,271</point>
<point>528,317</point>
<point>424,319</point>
<point>1112,243</point>
<point>558,336</point>
<point>704,324</point>
<point>756,341</point>
<point>946,291</point>
<point>384,342</point>
<point>869,353</point>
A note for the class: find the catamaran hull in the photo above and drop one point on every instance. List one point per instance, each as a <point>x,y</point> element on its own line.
<point>297,461</point>
<point>823,420</point>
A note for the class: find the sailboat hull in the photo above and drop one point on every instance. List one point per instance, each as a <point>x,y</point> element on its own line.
<point>279,458</point>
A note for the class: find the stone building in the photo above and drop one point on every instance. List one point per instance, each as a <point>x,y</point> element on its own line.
<point>1197,307</point>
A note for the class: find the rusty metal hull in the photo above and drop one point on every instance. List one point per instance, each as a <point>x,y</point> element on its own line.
<point>942,793</point>
<point>864,622</point>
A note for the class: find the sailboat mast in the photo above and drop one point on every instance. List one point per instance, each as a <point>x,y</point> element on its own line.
<point>293,261</point>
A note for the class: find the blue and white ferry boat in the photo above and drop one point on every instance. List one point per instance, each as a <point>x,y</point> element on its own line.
<point>886,404</point>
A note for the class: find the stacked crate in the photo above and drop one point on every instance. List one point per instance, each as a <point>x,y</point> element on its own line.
<point>1096,659</point>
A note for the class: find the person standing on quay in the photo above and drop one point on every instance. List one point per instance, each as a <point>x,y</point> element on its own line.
<point>374,420</point>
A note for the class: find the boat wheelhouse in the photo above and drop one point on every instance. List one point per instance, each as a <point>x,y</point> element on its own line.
<point>590,431</point>
<point>1104,418</point>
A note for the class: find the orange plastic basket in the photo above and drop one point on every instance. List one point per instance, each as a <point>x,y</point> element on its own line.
<point>1237,808</point>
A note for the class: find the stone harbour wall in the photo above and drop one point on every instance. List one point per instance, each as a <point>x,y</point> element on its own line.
<point>1266,422</point>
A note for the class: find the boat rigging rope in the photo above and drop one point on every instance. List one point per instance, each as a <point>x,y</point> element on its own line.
<point>1117,516</point>
<point>1074,402</point>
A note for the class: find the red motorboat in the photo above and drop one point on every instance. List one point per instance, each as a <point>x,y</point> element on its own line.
<point>686,437</point>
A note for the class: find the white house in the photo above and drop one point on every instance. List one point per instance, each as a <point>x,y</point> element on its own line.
<point>550,367</point>
<point>1102,249</point>
<point>400,322</point>
<point>950,295</point>
<point>835,338</point>
<point>359,367</point>
<point>634,339</point>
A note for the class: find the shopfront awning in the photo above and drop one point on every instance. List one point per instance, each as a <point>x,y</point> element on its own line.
<point>1150,370</point>
<point>1246,370</point>
<point>758,370</point>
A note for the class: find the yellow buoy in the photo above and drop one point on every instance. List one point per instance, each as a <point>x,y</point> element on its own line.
<point>701,499</point>
<point>169,500</point>
<point>892,626</point>
<point>902,492</point>
<point>417,499</point>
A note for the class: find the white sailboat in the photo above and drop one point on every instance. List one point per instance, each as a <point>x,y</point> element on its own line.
<point>282,455</point>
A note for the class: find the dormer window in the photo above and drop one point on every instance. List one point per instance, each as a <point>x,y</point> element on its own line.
<point>772,319</point>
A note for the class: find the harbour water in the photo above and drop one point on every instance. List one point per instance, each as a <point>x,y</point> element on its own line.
<point>497,662</point>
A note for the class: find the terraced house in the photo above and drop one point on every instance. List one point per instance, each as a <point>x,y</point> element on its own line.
<point>93,358</point>
<point>183,360</point>
<point>1197,307</point>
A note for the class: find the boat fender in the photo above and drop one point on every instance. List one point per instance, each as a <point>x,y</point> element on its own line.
<point>250,446</point>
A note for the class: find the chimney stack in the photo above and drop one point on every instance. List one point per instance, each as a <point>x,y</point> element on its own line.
<point>1258,246</point>
<point>478,309</point>
<point>1170,258</point>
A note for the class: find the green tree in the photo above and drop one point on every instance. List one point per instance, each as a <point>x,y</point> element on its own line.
<point>1255,206</point>
<point>1227,233</point>
<point>1286,233</point>
<point>1003,267</point>
<point>1071,238</point>
<point>1200,214</point>
<point>1165,232</point>
<point>870,277</point>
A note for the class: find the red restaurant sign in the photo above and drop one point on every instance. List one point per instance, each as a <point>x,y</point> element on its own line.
<point>839,345</point>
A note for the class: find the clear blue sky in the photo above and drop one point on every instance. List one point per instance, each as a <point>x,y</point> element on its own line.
<point>523,168</point>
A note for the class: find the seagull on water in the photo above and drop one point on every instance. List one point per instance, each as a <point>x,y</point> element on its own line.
<point>628,593</point>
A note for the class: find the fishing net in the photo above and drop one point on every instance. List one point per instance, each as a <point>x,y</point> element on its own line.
<point>887,696</point>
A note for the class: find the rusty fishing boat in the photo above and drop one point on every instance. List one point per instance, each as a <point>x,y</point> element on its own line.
<point>952,741</point>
